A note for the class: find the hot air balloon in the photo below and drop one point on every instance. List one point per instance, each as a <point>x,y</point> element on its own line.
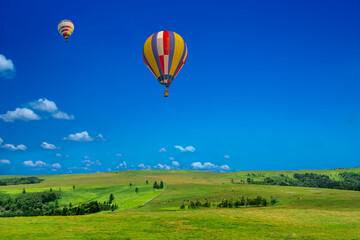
<point>164,54</point>
<point>66,28</point>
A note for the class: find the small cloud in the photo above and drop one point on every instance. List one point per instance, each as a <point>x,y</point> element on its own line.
<point>167,167</point>
<point>58,154</point>
<point>5,161</point>
<point>23,114</point>
<point>86,157</point>
<point>224,167</point>
<point>122,165</point>
<point>62,115</point>
<point>175,164</point>
<point>12,147</point>
<point>206,165</point>
<point>160,166</point>
<point>171,158</point>
<point>36,164</point>
<point>44,105</point>
<point>100,137</point>
<point>185,149</point>
<point>141,165</point>
<point>80,137</point>
<point>1,140</point>
<point>119,154</point>
<point>49,146</point>
<point>7,68</point>
<point>109,170</point>
<point>226,156</point>
<point>56,165</point>
<point>162,150</point>
<point>209,166</point>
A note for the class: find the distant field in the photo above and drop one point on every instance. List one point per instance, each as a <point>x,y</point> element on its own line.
<point>304,213</point>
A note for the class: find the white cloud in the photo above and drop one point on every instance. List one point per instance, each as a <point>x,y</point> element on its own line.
<point>35,164</point>
<point>162,150</point>
<point>175,164</point>
<point>4,161</point>
<point>1,140</point>
<point>7,69</point>
<point>58,154</point>
<point>186,149</point>
<point>224,167</point>
<point>79,137</point>
<point>171,158</point>
<point>119,154</point>
<point>167,167</point>
<point>24,114</point>
<point>160,166</point>
<point>62,115</point>
<point>56,165</point>
<point>122,165</point>
<point>141,165</point>
<point>227,156</point>
<point>44,105</point>
<point>46,145</point>
<point>209,166</point>
<point>100,137</point>
<point>12,147</point>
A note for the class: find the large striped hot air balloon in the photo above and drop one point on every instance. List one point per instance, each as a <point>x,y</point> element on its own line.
<point>66,28</point>
<point>165,53</point>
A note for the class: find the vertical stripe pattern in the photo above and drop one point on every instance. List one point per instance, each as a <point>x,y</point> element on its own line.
<point>164,54</point>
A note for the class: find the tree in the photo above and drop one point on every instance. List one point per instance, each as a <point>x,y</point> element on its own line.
<point>24,191</point>
<point>73,186</point>
<point>273,201</point>
<point>137,189</point>
<point>232,180</point>
<point>111,198</point>
<point>130,184</point>
<point>161,184</point>
<point>155,185</point>
<point>182,206</point>
<point>70,205</point>
<point>264,202</point>
<point>56,203</point>
<point>147,182</point>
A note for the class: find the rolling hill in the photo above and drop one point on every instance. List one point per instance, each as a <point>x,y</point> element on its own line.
<point>300,213</point>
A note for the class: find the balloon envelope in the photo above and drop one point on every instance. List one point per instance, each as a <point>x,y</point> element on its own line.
<point>66,28</point>
<point>165,53</point>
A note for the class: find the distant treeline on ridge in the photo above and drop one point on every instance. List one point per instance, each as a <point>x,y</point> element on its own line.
<point>19,180</point>
<point>347,181</point>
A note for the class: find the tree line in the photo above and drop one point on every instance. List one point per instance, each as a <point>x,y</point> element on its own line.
<point>348,181</point>
<point>18,181</point>
<point>244,202</point>
<point>46,204</point>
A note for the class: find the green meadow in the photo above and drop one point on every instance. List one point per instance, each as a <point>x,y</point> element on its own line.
<point>301,212</point>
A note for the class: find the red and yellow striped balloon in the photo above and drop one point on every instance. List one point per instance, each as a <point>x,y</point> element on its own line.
<point>165,53</point>
<point>66,28</point>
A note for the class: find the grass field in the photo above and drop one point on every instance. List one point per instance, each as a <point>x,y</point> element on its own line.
<point>303,213</point>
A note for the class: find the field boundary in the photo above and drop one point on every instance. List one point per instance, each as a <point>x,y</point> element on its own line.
<point>155,197</point>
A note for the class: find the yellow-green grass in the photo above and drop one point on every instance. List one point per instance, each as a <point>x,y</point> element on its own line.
<point>305,213</point>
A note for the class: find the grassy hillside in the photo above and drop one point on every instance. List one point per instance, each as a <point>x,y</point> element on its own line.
<point>303,213</point>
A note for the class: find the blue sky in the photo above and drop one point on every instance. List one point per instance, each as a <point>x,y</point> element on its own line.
<point>267,85</point>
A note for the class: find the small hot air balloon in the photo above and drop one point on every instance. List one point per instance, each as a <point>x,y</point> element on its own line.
<point>164,54</point>
<point>66,28</point>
